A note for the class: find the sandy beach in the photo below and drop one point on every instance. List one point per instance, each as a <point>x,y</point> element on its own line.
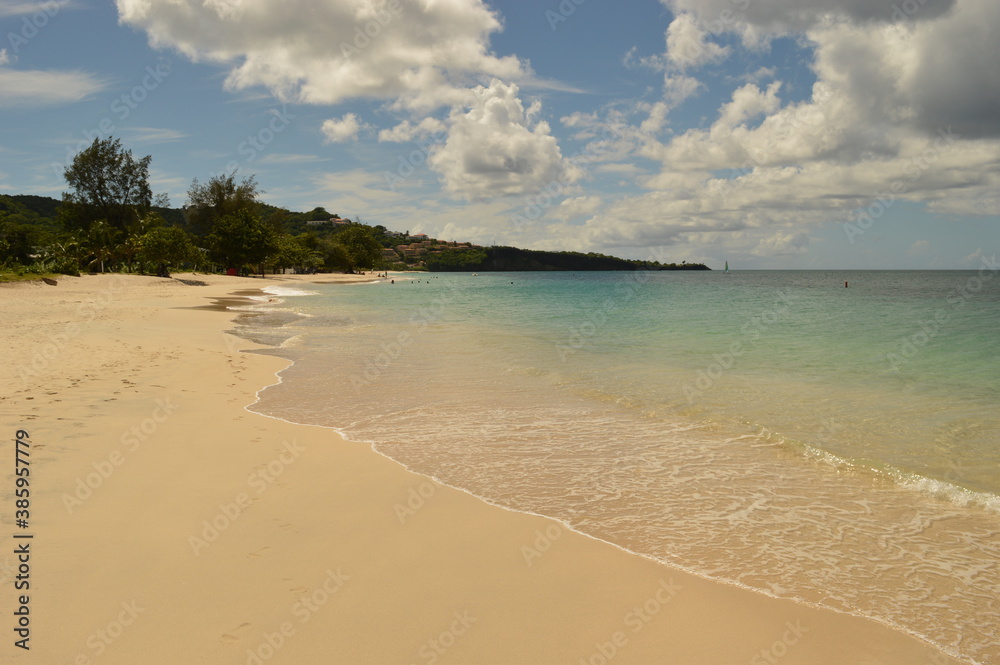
<point>168,524</point>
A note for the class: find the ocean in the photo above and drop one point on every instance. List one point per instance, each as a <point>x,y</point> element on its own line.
<point>770,429</point>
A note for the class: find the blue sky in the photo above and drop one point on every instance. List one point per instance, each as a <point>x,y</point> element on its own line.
<point>769,133</point>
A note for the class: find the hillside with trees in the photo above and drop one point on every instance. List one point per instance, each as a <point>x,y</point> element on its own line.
<point>110,220</point>
<point>510,259</point>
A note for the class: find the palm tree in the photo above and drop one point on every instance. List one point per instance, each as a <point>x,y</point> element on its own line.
<point>100,240</point>
<point>59,256</point>
<point>131,246</point>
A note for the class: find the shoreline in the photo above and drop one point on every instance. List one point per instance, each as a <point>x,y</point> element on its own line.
<point>565,527</point>
<point>403,566</point>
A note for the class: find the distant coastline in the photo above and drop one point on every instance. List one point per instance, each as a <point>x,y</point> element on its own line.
<point>513,259</point>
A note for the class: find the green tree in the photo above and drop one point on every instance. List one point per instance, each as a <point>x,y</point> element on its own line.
<point>166,247</point>
<point>15,242</point>
<point>295,254</point>
<point>318,213</point>
<point>130,247</point>
<point>335,256</point>
<point>109,184</point>
<point>460,260</point>
<point>100,242</point>
<point>242,239</point>
<point>63,256</point>
<point>364,250</point>
<point>219,197</point>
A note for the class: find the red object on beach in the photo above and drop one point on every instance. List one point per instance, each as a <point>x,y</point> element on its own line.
<point>231,272</point>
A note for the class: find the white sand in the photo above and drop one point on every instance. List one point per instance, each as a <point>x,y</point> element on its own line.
<point>172,526</point>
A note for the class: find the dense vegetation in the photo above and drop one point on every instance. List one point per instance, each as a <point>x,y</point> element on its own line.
<point>110,220</point>
<point>514,259</point>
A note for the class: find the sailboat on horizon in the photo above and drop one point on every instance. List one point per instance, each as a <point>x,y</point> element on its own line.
<point>727,268</point>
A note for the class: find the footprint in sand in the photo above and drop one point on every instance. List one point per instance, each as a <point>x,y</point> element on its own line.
<point>229,638</point>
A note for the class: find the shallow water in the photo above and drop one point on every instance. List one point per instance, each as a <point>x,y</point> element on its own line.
<point>836,446</point>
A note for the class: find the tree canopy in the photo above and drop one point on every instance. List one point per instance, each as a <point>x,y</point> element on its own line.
<point>362,247</point>
<point>109,184</point>
<point>242,239</point>
<point>217,198</point>
<point>166,247</point>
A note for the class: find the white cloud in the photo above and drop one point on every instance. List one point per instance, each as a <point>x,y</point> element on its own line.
<point>495,147</point>
<point>782,244</point>
<point>49,8</point>
<point>45,88</point>
<point>758,19</point>
<point>687,44</point>
<point>420,55</point>
<point>406,131</point>
<point>580,206</point>
<point>342,130</point>
<point>288,158</point>
<point>978,258</point>
<point>875,126</point>
<point>677,88</point>
<point>155,135</point>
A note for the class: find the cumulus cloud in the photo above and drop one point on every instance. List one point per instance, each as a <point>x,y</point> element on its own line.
<point>782,244</point>
<point>926,62</point>
<point>756,19</point>
<point>677,88</point>
<point>578,206</point>
<point>407,131</point>
<point>344,129</point>
<point>496,147</point>
<point>902,109</point>
<point>687,44</point>
<point>420,55</point>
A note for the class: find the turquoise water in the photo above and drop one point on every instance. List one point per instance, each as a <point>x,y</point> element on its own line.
<point>837,446</point>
